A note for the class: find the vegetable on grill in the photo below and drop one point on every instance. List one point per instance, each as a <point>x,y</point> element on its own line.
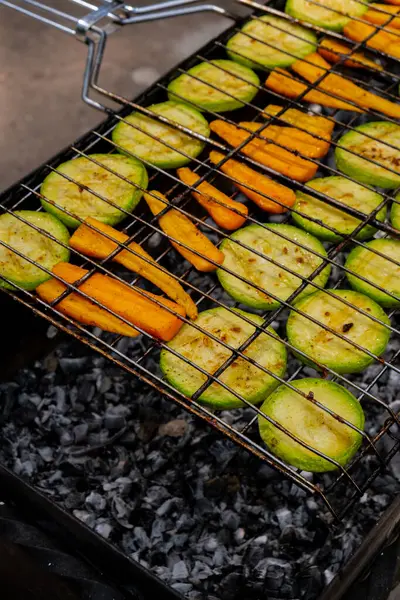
<point>135,305</point>
<point>291,138</point>
<point>312,425</point>
<point>382,14</point>
<point>216,203</point>
<point>32,244</point>
<point>395,213</point>
<point>88,240</point>
<point>324,348</point>
<point>180,227</point>
<point>158,143</point>
<point>386,41</point>
<point>265,190</point>
<point>242,377</point>
<point>314,124</point>
<point>348,193</point>
<point>217,85</point>
<point>335,52</point>
<point>81,309</point>
<point>269,41</point>
<point>376,269</point>
<point>281,244</point>
<point>374,154</point>
<point>285,84</point>
<point>268,154</point>
<point>87,189</point>
<point>330,14</point>
<point>313,67</point>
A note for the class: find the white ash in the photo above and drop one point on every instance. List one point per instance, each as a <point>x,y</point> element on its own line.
<point>207,518</point>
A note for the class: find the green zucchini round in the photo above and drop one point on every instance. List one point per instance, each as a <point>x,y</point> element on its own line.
<point>377,150</point>
<point>33,244</point>
<point>281,43</point>
<point>246,379</point>
<point>324,17</point>
<point>312,425</point>
<point>325,347</point>
<point>395,213</point>
<point>348,193</point>
<point>262,272</point>
<point>154,149</point>
<point>236,85</point>
<point>82,203</point>
<point>378,270</point>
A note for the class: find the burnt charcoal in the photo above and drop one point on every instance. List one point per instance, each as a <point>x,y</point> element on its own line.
<point>73,366</point>
<point>96,502</point>
<point>180,571</point>
<point>80,433</point>
<point>231,520</point>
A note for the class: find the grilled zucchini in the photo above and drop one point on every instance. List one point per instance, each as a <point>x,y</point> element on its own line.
<point>395,213</point>
<point>218,85</point>
<point>268,42</point>
<point>348,193</point>
<point>262,272</point>
<point>33,244</point>
<point>159,144</point>
<point>241,376</point>
<point>378,141</point>
<point>377,269</point>
<point>312,425</point>
<point>123,188</point>
<point>335,16</point>
<point>324,348</point>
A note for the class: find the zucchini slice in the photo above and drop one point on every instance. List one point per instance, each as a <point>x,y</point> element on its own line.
<point>395,213</point>
<point>82,203</point>
<point>335,16</point>
<point>376,269</point>
<point>244,378</point>
<point>262,272</point>
<point>32,244</point>
<point>137,141</point>
<point>312,425</point>
<point>384,150</point>
<point>236,84</point>
<point>281,43</point>
<point>325,347</point>
<point>348,193</point>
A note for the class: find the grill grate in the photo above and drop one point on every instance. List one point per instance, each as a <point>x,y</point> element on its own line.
<point>144,229</point>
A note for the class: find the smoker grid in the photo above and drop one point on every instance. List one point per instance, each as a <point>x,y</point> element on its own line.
<point>141,227</point>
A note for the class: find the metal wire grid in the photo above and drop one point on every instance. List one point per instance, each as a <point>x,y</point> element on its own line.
<point>141,228</point>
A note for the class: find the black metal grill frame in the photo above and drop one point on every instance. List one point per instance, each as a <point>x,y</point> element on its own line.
<point>26,194</point>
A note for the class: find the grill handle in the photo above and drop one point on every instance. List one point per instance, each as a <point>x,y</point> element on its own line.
<point>104,17</point>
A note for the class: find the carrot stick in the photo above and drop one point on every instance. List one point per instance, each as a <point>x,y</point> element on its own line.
<point>384,41</point>
<point>219,211</point>
<point>127,301</point>
<point>334,52</point>
<point>178,226</point>
<point>283,83</point>
<point>291,116</point>
<point>267,154</point>
<point>340,86</point>
<point>92,243</point>
<point>381,17</point>
<point>82,310</point>
<point>243,176</point>
<point>289,137</point>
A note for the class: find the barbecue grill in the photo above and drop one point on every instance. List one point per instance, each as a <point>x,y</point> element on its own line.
<point>92,25</point>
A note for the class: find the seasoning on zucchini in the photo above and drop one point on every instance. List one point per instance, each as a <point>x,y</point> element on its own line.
<point>246,379</point>
<point>378,141</point>
<point>395,213</point>
<point>326,348</point>
<point>218,85</point>
<point>377,269</point>
<point>348,193</point>
<point>334,17</point>
<point>272,278</point>
<point>281,43</point>
<point>131,135</point>
<point>32,244</point>
<point>86,173</point>
<point>312,425</point>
